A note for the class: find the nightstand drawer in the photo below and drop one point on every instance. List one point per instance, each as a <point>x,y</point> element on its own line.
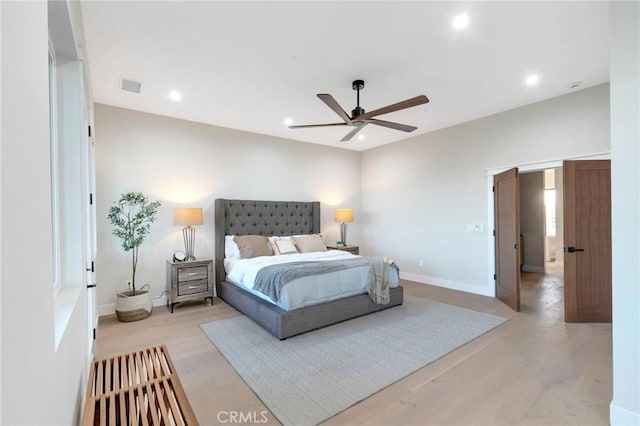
<point>192,274</point>
<point>192,287</point>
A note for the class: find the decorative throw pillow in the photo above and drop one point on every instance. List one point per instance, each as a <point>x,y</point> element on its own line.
<point>272,243</point>
<point>252,246</point>
<point>285,246</point>
<point>309,243</point>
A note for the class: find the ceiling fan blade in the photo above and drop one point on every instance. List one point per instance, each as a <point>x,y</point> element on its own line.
<point>353,132</point>
<point>392,125</point>
<point>302,126</point>
<point>335,106</point>
<point>409,103</point>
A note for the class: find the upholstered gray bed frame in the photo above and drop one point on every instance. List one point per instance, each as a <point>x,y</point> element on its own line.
<point>244,217</point>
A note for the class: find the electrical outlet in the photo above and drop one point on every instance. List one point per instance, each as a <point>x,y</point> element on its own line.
<point>475,227</point>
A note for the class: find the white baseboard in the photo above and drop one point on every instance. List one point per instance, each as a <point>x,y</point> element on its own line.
<point>531,268</point>
<point>453,285</point>
<point>619,416</point>
<point>110,308</point>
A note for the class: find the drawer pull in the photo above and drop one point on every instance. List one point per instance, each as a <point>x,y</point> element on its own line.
<point>192,274</point>
<point>192,286</point>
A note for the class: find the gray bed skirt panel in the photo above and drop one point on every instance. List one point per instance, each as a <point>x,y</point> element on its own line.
<point>283,324</point>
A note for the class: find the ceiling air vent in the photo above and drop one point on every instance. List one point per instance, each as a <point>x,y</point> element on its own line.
<point>130,86</point>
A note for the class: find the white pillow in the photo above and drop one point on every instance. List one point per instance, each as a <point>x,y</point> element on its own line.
<point>285,246</point>
<point>272,243</point>
<point>231,249</point>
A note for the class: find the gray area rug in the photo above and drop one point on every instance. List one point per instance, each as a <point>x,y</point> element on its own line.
<point>306,379</point>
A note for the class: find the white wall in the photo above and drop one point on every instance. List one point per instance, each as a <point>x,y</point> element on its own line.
<point>532,220</point>
<point>418,195</point>
<point>41,384</point>
<point>182,163</point>
<point>625,198</point>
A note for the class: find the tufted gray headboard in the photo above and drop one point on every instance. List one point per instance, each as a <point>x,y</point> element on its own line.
<point>249,217</point>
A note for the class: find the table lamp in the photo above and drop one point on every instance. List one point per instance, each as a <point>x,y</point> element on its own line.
<point>343,216</point>
<point>188,217</point>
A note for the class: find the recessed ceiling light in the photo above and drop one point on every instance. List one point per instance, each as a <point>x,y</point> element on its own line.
<point>461,21</point>
<point>575,85</point>
<point>532,80</point>
<point>288,121</point>
<point>174,95</point>
<point>361,137</point>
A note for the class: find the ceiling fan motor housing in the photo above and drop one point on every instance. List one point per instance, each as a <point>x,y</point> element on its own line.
<point>356,112</point>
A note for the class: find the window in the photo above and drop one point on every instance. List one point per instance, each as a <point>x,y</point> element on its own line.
<point>53,143</point>
<point>550,211</point>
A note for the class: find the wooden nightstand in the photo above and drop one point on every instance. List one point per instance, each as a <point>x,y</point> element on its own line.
<point>189,281</point>
<point>350,249</point>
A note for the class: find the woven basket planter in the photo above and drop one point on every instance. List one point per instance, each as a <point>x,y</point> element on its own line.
<point>133,308</point>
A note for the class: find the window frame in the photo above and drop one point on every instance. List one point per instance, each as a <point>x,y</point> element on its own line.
<point>53,146</point>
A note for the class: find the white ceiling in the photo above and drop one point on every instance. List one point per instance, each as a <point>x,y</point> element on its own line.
<point>250,65</point>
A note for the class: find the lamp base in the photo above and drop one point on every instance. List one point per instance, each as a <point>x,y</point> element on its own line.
<point>343,234</point>
<point>189,235</point>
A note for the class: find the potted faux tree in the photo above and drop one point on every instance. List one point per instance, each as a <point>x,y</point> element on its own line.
<point>131,217</point>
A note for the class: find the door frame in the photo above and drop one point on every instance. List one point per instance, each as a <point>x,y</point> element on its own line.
<point>522,168</point>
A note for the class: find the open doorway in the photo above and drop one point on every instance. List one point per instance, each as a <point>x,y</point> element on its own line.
<point>553,221</point>
<point>585,266</point>
<point>541,216</point>
<point>541,254</point>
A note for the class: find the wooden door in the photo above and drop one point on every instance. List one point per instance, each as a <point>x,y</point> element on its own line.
<point>587,240</point>
<point>506,196</point>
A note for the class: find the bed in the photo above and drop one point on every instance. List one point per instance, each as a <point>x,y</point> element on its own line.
<point>269,218</point>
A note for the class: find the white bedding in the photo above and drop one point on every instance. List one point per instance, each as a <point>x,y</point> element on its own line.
<point>304,291</point>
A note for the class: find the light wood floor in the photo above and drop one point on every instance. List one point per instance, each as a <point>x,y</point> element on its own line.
<point>534,369</point>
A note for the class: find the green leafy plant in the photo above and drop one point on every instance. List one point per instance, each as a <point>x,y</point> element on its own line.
<point>131,217</point>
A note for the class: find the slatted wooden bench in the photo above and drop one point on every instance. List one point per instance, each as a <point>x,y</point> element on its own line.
<point>137,388</point>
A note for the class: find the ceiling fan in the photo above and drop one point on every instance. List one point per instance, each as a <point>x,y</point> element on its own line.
<point>359,118</point>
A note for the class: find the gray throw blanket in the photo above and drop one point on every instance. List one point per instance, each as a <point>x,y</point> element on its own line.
<point>379,278</point>
<point>270,279</point>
